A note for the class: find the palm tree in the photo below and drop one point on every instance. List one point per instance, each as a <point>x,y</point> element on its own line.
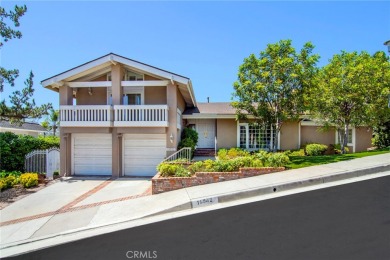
<point>52,121</point>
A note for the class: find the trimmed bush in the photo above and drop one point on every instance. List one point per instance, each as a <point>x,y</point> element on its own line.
<point>300,152</point>
<point>191,134</point>
<point>3,185</point>
<point>315,149</point>
<point>172,170</point>
<point>278,160</point>
<point>29,179</point>
<point>232,153</point>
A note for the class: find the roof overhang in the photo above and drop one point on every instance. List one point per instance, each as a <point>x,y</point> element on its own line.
<point>103,64</point>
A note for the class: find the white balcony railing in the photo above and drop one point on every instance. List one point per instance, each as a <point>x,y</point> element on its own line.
<point>86,115</point>
<point>141,115</point>
<point>118,115</point>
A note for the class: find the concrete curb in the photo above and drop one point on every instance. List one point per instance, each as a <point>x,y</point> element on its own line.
<point>282,187</point>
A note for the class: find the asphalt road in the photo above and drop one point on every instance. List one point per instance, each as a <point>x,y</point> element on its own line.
<point>351,221</point>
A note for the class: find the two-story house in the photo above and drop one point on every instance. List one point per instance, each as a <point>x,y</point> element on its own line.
<point>121,117</point>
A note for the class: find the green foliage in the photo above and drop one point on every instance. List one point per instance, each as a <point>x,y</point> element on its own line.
<point>262,156</point>
<point>4,174</point>
<point>278,160</point>
<point>189,138</point>
<point>300,152</point>
<point>337,148</point>
<point>224,154</point>
<point>196,167</point>
<point>190,133</point>
<point>382,135</point>
<point>172,170</point>
<point>187,142</point>
<point>15,147</point>
<point>52,121</point>
<point>22,103</point>
<point>271,87</point>
<point>352,90</point>
<point>29,180</point>
<point>315,149</point>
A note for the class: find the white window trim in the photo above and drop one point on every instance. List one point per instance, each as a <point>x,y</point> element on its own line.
<point>247,137</point>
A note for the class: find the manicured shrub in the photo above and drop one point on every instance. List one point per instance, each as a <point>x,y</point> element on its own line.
<point>300,152</point>
<point>278,160</point>
<point>170,170</point>
<point>4,174</point>
<point>10,181</point>
<point>262,156</point>
<point>196,167</point>
<point>236,152</point>
<point>315,149</point>
<point>3,185</point>
<point>222,154</point>
<point>29,179</point>
<point>191,134</point>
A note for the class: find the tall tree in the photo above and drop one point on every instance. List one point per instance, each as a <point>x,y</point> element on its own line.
<point>352,91</point>
<point>22,103</point>
<point>271,87</point>
<point>52,121</point>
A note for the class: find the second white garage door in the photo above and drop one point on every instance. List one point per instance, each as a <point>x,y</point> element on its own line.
<point>142,153</point>
<point>92,154</point>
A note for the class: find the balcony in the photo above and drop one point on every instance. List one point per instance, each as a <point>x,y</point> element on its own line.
<point>141,115</point>
<point>119,116</point>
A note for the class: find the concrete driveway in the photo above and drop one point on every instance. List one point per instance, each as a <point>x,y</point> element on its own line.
<point>69,195</point>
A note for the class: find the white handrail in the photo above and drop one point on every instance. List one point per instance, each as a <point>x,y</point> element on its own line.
<point>184,153</point>
<point>83,113</point>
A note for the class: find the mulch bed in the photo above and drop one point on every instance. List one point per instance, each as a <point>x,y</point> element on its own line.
<point>9,196</point>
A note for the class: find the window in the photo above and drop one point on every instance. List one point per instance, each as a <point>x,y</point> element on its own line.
<point>350,137</point>
<point>132,99</point>
<point>131,76</point>
<point>255,137</point>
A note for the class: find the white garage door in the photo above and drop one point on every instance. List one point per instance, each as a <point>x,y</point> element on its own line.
<point>92,154</point>
<point>142,153</point>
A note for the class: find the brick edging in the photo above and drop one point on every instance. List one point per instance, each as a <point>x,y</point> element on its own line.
<point>164,184</point>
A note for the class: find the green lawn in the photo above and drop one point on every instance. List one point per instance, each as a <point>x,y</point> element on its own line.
<point>305,161</point>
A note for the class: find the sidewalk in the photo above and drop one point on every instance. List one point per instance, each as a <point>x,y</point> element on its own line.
<point>92,216</point>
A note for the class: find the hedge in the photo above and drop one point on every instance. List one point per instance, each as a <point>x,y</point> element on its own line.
<point>15,147</point>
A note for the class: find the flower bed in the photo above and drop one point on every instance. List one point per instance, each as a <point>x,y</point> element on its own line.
<point>164,184</point>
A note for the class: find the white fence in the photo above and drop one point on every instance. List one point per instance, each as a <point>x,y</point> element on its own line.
<point>43,161</point>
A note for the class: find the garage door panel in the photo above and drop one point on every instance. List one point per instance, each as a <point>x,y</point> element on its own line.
<point>92,154</point>
<point>142,153</point>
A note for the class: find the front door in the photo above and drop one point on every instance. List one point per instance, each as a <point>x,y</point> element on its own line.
<point>206,133</point>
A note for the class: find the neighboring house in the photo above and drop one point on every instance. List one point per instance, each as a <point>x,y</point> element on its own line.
<point>32,129</point>
<point>121,117</point>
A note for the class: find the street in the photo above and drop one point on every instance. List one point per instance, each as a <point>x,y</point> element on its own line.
<point>350,221</point>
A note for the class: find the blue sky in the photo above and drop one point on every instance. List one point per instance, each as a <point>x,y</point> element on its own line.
<point>205,41</point>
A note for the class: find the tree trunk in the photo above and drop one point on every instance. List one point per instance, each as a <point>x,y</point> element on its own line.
<point>345,139</point>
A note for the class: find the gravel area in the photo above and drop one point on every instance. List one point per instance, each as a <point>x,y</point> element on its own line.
<point>9,196</point>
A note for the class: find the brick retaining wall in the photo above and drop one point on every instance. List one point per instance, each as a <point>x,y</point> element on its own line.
<point>164,184</point>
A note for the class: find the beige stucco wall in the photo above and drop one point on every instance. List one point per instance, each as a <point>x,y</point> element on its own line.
<point>289,136</point>
<point>180,102</point>
<point>226,133</point>
<point>155,95</point>
<point>313,134</point>
<point>98,97</point>
<point>363,138</point>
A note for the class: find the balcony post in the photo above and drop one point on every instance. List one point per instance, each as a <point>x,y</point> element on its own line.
<point>116,78</point>
<point>66,98</point>
<point>172,118</point>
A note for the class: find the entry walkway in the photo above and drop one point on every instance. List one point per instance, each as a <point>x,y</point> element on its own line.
<point>77,208</point>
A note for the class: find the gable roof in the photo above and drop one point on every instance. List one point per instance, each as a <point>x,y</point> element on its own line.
<point>103,64</point>
<point>25,126</point>
<point>211,110</point>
